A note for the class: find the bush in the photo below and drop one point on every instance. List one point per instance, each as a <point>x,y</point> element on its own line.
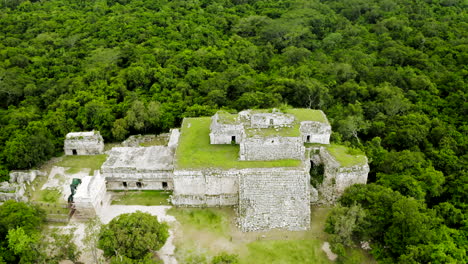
<point>133,235</point>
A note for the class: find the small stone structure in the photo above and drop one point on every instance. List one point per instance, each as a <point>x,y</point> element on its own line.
<point>83,143</point>
<point>90,196</point>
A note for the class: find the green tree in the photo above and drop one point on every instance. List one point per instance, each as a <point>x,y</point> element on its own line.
<point>133,235</point>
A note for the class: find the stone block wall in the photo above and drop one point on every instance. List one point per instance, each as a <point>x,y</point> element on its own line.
<point>274,198</point>
<point>315,132</point>
<point>90,196</point>
<point>271,148</point>
<point>337,177</point>
<point>224,133</point>
<point>265,120</point>
<point>84,143</point>
<point>208,187</point>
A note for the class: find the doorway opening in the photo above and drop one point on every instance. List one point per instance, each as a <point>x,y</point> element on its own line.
<point>74,152</point>
<point>124,184</point>
<point>164,185</point>
<point>233,140</point>
<point>138,184</point>
<point>308,138</point>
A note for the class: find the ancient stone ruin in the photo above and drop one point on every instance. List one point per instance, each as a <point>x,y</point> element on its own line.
<point>270,165</point>
<point>83,143</point>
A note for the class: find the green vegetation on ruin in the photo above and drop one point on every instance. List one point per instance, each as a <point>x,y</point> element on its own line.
<point>347,157</point>
<point>292,131</point>
<point>146,198</point>
<point>195,151</point>
<point>211,231</point>
<point>226,118</point>
<point>79,162</point>
<point>304,114</point>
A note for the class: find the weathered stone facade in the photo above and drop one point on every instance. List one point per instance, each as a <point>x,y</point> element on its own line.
<point>274,198</point>
<point>315,132</point>
<point>139,168</point>
<point>267,194</point>
<point>271,148</point>
<point>91,196</point>
<point>84,143</point>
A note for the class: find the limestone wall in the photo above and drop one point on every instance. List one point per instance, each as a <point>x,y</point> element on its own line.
<point>265,120</point>
<point>271,148</point>
<point>84,143</point>
<point>224,133</point>
<point>315,132</point>
<point>208,187</point>
<point>174,139</point>
<point>90,196</point>
<point>274,198</point>
<point>337,177</point>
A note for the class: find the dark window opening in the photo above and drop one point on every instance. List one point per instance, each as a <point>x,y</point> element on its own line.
<point>124,184</point>
<point>316,174</point>
<point>164,185</point>
<point>74,152</point>
<point>308,138</point>
<point>233,139</point>
<point>138,184</point>
<point>271,121</point>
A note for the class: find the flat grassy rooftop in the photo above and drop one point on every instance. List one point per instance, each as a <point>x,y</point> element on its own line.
<point>347,157</point>
<point>303,114</point>
<point>196,152</point>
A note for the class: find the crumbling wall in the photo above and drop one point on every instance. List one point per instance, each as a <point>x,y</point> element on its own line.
<point>91,196</point>
<point>174,139</point>
<point>337,177</point>
<point>207,187</point>
<point>274,198</point>
<point>315,132</point>
<point>266,120</point>
<point>271,148</point>
<point>84,143</point>
<point>225,133</point>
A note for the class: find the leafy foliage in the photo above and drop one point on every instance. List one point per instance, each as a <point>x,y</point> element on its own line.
<point>389,74</point>
<point>132,235</point>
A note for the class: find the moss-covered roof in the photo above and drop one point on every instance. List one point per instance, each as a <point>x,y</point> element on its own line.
<point>292,131</point>
<point>347,157</point>
<point>196,152</point>
<point>303,114</point>
<point>227,118</point>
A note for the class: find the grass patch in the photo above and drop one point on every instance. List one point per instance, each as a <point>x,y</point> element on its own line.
<point>295,251</point>
<point>157,141</point>
<point>77,163</point>
<point>214,220</point>
<point>227,118</point>
<point>50,195</point>
<point>195,150</point>
<point>146,198</point>
<point>347,157</point>
<point>303,114</point>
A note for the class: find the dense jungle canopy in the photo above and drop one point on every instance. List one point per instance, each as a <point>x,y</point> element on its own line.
<point>391,75</point>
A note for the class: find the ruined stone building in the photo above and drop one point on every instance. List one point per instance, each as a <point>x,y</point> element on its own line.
<point>263,162</point>
<point>83,143</point>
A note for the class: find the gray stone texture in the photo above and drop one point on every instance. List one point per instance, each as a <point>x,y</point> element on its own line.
<point>91,196</point>
<point>315,132</point>
<point>271,148</point>
<point>274,198</point>
<point>266,120</point>
<point>83,143</point>
<point>145,168</point>
<point>223,133</point>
